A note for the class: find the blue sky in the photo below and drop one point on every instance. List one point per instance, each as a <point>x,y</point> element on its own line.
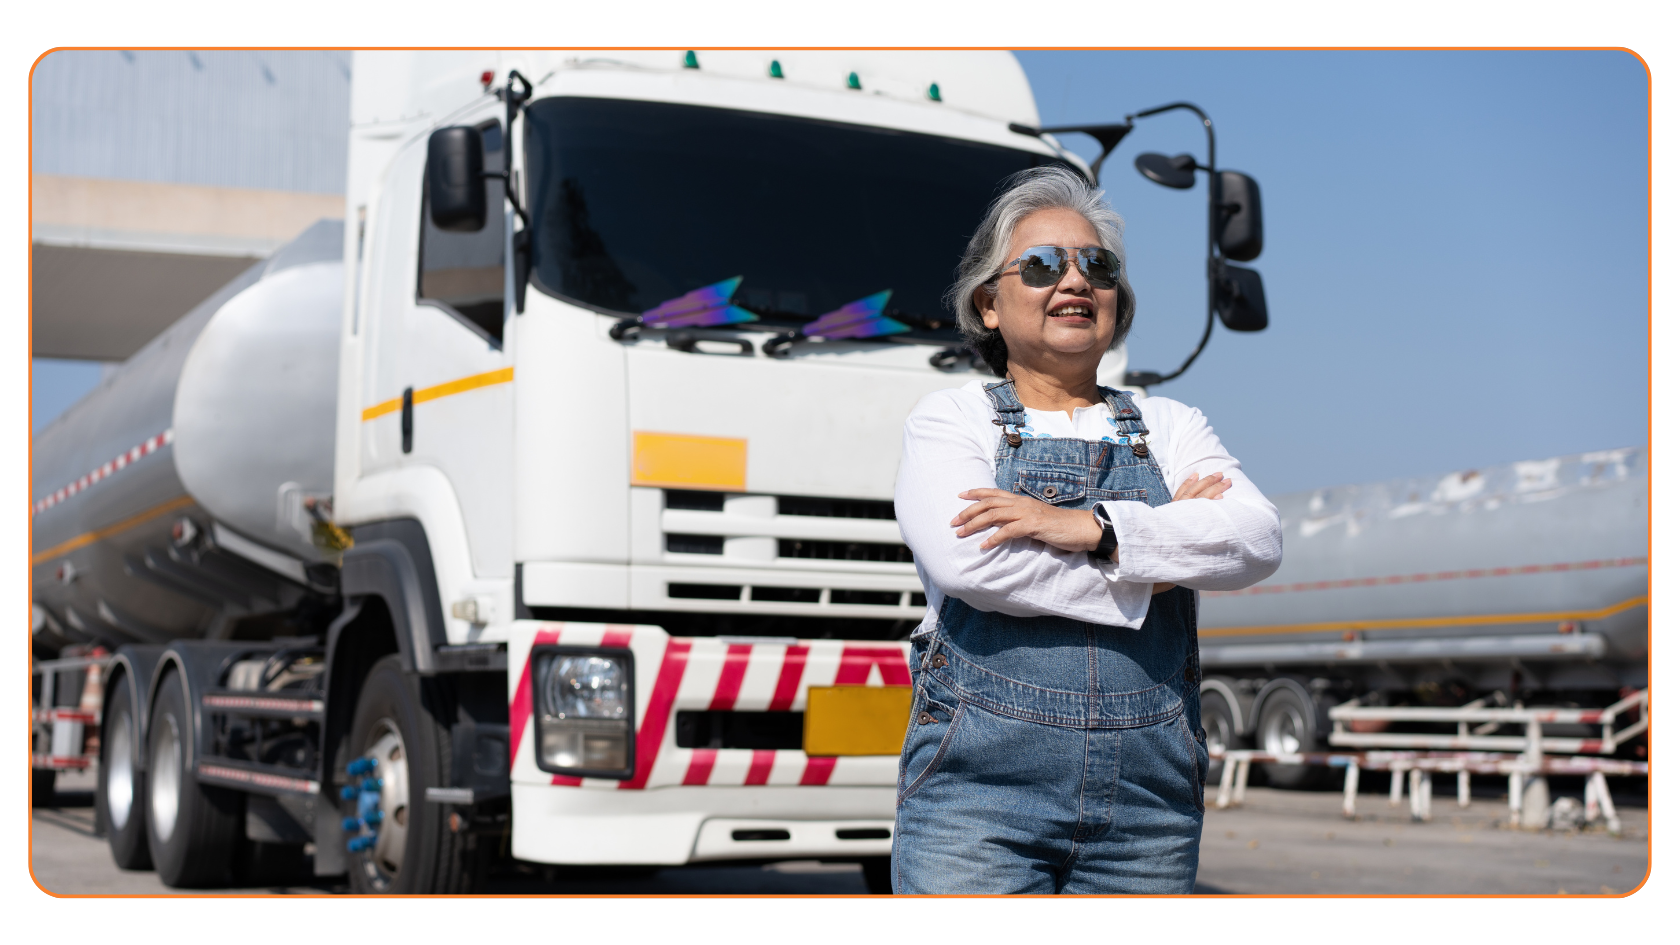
<point>1455,260</point>
<point>1455,252</point>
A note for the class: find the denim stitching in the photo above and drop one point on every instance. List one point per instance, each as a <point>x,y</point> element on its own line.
<point>1197,785</point>
<point>938,757</point>
<point>1091,701</point>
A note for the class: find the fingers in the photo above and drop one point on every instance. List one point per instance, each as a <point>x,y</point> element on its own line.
<point>987,499</point>
<point>1211,486</point>
<point>1184,488</point>
<point>991,518</point>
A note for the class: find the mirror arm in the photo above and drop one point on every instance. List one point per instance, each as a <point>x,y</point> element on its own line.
<point>1109,136</point>
<point>1215,209</point>
<point>515,98</point>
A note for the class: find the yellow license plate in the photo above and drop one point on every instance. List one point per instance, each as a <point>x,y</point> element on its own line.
<point>856,720</point>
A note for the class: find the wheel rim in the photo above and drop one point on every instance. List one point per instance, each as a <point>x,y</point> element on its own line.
<point>165,786</point>
<point>1218,734</point>
<point>390,758</point>
<point>119,775</point>
<point>1286,730</point>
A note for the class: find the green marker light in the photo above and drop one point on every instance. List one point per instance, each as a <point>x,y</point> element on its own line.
<point>852,82</point>
<point>933,92</point>
<point>776,69</point>
<point>690,60</point>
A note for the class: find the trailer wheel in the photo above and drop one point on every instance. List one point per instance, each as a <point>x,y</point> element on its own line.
<point>1219,720</point>
<point>193,831</point>
<point>1289,724</point>
<point>43,783</point>
<point>409,847</point>
<point>120,800</point>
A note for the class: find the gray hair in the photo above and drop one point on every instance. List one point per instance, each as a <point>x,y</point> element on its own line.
<point>1053,187</point>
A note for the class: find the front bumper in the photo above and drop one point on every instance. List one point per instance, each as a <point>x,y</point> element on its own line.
<point>689,804</point>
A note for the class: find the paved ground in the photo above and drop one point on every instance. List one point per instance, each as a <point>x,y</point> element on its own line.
<point>1277,842</point>
<point>1298,842</point>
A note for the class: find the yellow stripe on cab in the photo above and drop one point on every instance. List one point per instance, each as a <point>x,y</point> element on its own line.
<point>457,386</point>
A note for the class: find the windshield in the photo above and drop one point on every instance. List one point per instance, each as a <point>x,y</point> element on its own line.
<point>635,203</point>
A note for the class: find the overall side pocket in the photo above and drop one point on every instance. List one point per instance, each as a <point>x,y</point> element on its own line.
<point>934,716</point>
<point>1198,761</point>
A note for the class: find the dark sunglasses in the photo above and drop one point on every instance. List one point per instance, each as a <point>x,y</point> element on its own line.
<point>1043,266</point>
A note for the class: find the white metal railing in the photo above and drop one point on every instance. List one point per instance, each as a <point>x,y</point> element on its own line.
<point>1412,769</point>
<point>1413,757</point>
<point>60,732</point>
<point>1532,742</point>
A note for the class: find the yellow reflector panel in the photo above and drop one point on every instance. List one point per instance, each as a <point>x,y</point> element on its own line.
<point>674,460</point>
<point>856,720</point>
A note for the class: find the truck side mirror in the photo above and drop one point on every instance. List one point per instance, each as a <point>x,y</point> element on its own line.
<point>455,179</point>
<point>1240,298</point>
<point>1241,236</point>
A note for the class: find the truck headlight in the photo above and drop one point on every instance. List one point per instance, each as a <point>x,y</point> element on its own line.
<point>585,703</point>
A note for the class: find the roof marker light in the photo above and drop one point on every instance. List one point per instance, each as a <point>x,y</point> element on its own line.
<point>933,92</point>
<point>486,77</point>
<point>776,69</point>
<point>852,82</point>
<point>690,60</point>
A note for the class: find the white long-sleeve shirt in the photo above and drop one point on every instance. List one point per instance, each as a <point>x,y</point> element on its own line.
<point>950,445</point>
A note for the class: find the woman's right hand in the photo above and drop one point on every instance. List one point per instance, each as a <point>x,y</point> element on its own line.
<point>1210,486</point>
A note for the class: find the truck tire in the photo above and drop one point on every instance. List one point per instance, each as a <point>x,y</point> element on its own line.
<point>193,831</point>
<point>1219,720</point>
<point>120,799</point>
<point>877,875</point>
<point>401,723</point>
<point>1288,723</point>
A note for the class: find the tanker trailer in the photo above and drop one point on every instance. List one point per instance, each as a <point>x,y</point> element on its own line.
<point>170,503</point>
<point>1525,582</point>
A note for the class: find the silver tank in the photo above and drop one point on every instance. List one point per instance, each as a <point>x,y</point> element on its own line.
<point>1535,569</point>
<point>168,502</point>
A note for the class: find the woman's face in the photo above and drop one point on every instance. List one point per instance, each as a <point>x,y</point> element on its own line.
<point>1071,320</point>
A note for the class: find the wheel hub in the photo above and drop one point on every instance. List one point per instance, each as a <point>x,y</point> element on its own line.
<point>379,829</point>
<point>119,779</point>
<point>166,777</point>
<point>1285,731</point>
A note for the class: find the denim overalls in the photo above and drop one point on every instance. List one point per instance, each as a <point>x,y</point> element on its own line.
<point>1047,755</point>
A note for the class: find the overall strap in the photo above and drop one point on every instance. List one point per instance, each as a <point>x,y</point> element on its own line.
<point>1128,422</point>
<point>1126,413</point>
<point>1011,416</point>
<point>1004,401</point>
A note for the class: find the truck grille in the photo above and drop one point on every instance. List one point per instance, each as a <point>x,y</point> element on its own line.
<point>774,553</point>
<point>841,550</point>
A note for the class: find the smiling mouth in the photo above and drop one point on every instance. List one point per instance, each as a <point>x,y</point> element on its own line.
<point>1075,310</point>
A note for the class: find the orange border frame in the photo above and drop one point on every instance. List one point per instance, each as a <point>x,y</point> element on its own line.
<point>1650,427</point>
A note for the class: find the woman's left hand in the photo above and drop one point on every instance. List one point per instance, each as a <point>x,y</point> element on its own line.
<point>1020,516</point>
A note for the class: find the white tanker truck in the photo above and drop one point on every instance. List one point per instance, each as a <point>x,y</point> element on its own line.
<point>543,509</point>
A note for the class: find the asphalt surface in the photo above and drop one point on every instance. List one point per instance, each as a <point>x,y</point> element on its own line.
<point>1277,842</point>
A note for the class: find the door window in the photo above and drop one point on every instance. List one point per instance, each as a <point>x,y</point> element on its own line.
<point>462,273</point>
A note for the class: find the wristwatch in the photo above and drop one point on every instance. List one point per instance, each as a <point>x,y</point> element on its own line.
<point>1107,543</point>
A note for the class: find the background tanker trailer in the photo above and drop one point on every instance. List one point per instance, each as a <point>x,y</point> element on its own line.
<point>1518,583</point>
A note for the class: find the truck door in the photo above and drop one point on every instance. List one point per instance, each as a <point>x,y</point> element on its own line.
<point>437,383</point>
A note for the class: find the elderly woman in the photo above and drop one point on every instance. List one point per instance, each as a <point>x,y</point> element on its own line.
<point>1055,740</point>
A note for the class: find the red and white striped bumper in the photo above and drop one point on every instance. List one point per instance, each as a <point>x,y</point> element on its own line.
<point>681,801</point>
